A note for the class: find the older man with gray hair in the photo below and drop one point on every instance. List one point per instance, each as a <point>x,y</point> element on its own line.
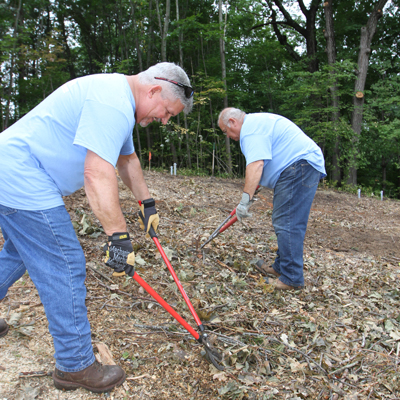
<point>76,137</point>
<point>279,155</point>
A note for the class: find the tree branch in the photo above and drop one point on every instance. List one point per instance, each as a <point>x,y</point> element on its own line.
<point>290,21</point>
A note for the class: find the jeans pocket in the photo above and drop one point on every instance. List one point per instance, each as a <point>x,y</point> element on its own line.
<point>288,173</point>
<point>6,210</point>
<point>310,176</point>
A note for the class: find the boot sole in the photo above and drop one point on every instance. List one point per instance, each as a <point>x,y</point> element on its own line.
<point>65,385</point>
<point>278,285</point>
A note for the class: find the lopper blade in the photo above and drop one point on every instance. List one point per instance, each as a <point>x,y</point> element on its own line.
<point>212,354</point>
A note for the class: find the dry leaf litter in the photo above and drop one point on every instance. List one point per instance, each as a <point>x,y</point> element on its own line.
<point>338,338</point>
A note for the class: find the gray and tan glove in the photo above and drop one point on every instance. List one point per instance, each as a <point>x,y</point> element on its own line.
<point>119,254</point>
<point>242,210</point>
<point>150,216</point>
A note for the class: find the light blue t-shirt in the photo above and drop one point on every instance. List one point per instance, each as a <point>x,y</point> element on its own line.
<point>42,155</point>
<point>280,143</point>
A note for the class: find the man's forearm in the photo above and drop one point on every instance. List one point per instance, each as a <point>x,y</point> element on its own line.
<point>131,174</point>
<point>253,177</point>
<point>101,186</point>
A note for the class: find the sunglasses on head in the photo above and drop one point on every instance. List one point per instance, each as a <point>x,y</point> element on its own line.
<point>188,90</point>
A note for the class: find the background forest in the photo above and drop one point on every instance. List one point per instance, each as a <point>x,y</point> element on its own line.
<point>332,67</point>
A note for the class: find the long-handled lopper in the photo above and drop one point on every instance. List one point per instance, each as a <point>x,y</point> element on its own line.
<point>201,337</point>
<point>226,224</point>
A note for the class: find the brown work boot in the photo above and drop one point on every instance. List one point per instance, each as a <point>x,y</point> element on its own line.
<point>279,285</point>
<point>97,378</point>
<point>262,267</point>
<point>3,327</point>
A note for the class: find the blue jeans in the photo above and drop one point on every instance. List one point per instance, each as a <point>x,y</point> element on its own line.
<point>293,196</point>
<point>45,244</point>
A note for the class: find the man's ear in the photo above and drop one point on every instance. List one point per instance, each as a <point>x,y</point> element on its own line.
<point>232,121</point>
<point>153,90</point>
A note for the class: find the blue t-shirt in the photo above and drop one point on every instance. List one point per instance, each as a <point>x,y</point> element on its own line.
<point>42,155</point>
<point>280,143</point>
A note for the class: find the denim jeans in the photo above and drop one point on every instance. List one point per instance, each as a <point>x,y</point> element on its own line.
<point>45,244</point>
<point>293,197</point>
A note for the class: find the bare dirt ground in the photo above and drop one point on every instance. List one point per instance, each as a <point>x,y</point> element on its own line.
<point>339,338</point>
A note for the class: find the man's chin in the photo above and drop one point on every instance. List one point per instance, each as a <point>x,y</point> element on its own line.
<point>143,124</point>
<point>148,121</point>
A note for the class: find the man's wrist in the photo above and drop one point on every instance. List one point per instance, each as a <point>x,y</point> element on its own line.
<point>149,203</point>
<point>245,198</point>
<point>119,236</point>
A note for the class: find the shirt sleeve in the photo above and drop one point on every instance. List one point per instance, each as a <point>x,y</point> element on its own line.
<point>256,147</point>
<point>105,130</point>
<point>128,147</point>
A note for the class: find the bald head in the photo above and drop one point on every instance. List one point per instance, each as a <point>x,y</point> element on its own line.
<point>230,121</point>
<point>228,113</point>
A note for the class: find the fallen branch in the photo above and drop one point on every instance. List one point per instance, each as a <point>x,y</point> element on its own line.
<point>98,272</point>
<point>105,354</point>
<point>136,333</point>
<point>138,377</point>
<point>344,367</point>
<point>32,374</point>
<point>224,265</point>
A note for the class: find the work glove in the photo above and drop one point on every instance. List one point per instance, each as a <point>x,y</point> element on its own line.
<point>150,216</point>
<point>119,254</point>
<point>242,210</point>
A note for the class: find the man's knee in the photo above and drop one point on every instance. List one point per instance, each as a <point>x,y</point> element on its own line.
<point>8,279</point>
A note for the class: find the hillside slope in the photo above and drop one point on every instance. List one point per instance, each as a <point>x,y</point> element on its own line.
<point>337,338</point>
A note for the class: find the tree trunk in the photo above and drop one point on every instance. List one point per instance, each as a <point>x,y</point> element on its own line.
<point>7,111</point>
<point>139,145</point>
<point>173,152</point>
<point>198,135</point>
<point>384,164</point>
<point>180,36</point>
<point>189,161</point>
<point>367,33</point>
<point>164,32</point>
<point>67,50</point>
<point>180,40</point>
<point>398,179</point>
<point>135,33</point>
<point>164,28</point>
<point>187,135</point>
<point>150,36</point>
<point>329,34</point>
<point>150,46</point>
<point>140,62</point>
<point>223,68</point>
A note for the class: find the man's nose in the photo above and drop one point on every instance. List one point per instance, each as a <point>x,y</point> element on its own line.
<point>165,120</point>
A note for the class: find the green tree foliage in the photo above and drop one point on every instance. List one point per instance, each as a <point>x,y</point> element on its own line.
<point>31,57</point>
<point>381,136</point>
<point>44,43</point>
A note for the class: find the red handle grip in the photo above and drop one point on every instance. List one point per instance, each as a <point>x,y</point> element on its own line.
<point>228,224</point>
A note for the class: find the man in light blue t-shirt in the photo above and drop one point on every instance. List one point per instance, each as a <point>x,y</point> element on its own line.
<point>76,137</point>
<point>280,156</point>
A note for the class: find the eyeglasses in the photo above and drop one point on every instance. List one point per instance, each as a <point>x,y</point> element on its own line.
<point>188,90</point>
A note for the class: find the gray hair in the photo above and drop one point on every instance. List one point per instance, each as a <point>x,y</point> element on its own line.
<point>169,90</point>
<point>230,112</point>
